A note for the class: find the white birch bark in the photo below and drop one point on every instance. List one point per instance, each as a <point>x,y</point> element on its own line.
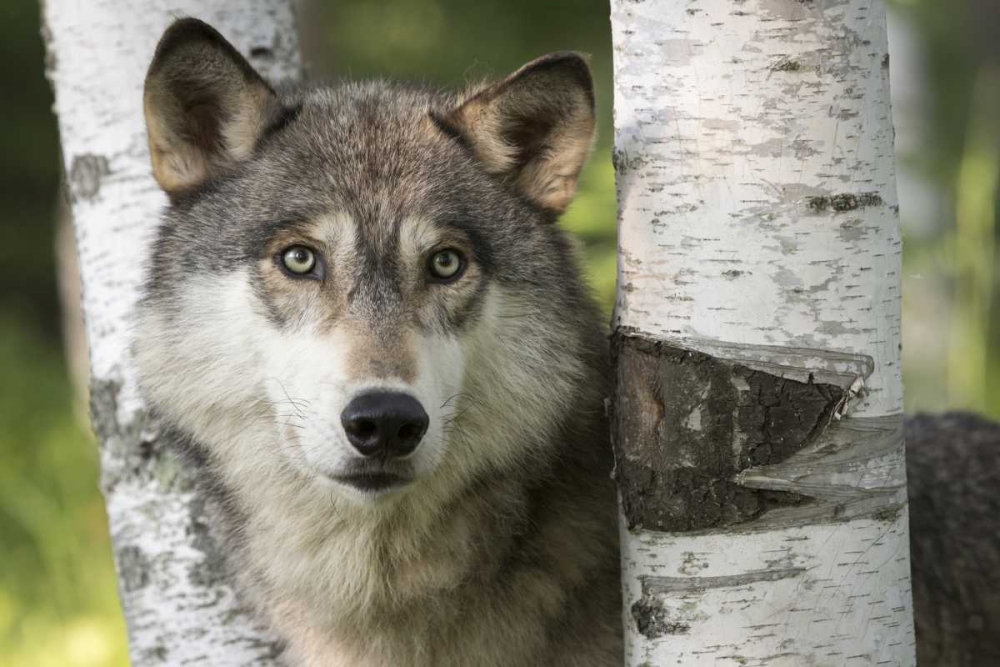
<point>758,225</point>
<point>178,606</point>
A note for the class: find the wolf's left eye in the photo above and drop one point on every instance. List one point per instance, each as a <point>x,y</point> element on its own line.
<point>298,260</point>
<point>446,265</point>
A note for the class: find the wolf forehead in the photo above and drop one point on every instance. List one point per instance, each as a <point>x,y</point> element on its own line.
<point>372,150</point>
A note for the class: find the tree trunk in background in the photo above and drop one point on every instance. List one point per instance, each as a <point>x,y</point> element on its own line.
<point>758,400</point>
<point>177,604</point>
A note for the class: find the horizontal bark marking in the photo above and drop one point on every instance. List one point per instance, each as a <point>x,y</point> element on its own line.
<point>685,423</point>
<point>846,201</point>
<point>662,585</point>
<point>654,619</point>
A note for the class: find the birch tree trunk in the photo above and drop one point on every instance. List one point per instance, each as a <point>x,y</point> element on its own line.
<point>758,400</point>
<point>178,606</point>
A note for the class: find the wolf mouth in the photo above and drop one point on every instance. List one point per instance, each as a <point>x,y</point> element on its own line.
<point>372,477</point>
<point>372,481</point>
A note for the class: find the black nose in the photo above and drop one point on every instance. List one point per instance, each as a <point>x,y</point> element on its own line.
<point>384,424</point>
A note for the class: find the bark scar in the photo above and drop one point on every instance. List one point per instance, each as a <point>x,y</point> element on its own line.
<point>689,426</point>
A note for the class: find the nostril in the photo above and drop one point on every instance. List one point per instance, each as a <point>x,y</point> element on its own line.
<point>362,428</point>
<point>410,432</point>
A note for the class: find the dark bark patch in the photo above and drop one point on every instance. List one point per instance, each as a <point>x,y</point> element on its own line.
<point>133,568</point>
<point>624,163</point>
<point>651,619</point>
<point>787,65</point>
<point>845,201</point>
<point>86,174</point>
<point>686,423</point>
<point>211,571</point>
<point>104,409</point>
<point>155,656</point>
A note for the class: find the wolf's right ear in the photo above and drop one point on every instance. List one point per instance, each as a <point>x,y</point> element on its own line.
<point>205,106</point>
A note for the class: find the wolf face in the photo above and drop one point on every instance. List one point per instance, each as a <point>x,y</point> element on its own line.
<point>359,291</point>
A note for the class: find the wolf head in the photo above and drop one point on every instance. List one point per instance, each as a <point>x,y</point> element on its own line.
<point>362,287</point>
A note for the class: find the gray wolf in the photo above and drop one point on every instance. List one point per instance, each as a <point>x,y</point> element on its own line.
<point>363,318</point>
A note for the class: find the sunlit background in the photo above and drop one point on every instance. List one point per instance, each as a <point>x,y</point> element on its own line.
<point>58,601</point>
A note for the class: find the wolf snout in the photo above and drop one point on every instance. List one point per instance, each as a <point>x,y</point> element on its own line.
<point>386,424</point>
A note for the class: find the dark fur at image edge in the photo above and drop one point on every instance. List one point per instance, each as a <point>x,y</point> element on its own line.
<point>953,471</point>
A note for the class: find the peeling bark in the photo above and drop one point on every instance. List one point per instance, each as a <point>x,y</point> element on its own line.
<point>178,605</point>
<point>757,413</point>
<point>689,423</point>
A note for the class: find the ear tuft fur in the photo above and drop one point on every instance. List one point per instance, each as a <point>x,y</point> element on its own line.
<point>205,106</point>
<point>535,127</point>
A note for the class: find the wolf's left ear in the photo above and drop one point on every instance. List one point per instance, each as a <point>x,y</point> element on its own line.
<point>535,127</point>
<point>205,106</point>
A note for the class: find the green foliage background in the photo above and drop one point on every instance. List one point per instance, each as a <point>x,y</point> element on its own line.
<point>58,603</point>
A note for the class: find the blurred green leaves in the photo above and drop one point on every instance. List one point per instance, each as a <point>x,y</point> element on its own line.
<point>970,357</point>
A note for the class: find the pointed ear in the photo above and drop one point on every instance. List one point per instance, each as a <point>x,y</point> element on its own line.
<point>535,127</point>
<point>205,106</point>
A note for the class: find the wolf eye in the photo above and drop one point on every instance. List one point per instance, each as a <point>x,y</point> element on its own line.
<point>446,265</point>
<point>299,260</point>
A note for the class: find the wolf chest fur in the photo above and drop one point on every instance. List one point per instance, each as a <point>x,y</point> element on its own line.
<point>366,325</point>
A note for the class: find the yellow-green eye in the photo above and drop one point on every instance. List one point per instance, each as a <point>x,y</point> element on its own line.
<point>299,260</point>
<point>446,264</point>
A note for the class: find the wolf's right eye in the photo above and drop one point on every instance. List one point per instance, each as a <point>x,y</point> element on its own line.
<point>299,260</point>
